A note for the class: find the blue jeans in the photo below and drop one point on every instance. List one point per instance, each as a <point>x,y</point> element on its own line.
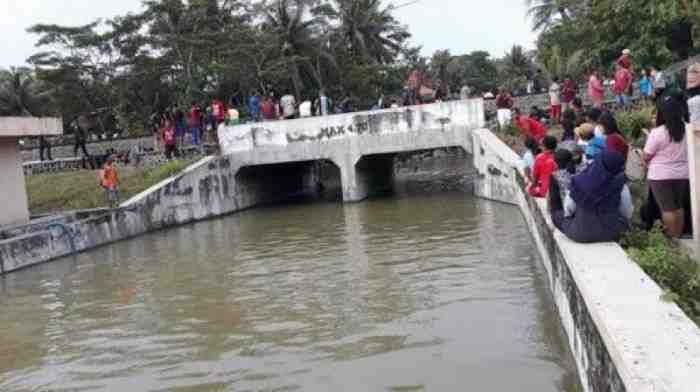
<point>196,136</point>
<point>624,101</point>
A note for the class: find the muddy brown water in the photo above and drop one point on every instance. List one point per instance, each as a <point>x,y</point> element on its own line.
<point>410,293</point>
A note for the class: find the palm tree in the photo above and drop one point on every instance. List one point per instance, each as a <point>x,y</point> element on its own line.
<point>286,19</point>
<point>369,30</point>
<point>545,13</point>
<point>21,94</point>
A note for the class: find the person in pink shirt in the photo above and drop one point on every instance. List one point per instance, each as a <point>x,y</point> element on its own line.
<point>666,157</point>
<point>596,91</point>
<point>623,87</point>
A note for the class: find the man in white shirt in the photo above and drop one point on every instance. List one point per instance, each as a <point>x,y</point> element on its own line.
<point>305,109</point>
<point>555,100</point>
<point>288,103</point>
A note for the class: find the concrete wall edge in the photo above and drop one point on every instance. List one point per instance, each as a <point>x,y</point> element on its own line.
<point>603,297</point>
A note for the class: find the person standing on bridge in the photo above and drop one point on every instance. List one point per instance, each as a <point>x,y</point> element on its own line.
<point>195,120</point>
<point>504,104</point>
<point>288,104</point>
<point>323,104</point>
<point>268,109</point>
<point>254,107</point>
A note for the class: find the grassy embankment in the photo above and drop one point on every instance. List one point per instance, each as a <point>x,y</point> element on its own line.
<point>80,190</point>
<point>660,258</point>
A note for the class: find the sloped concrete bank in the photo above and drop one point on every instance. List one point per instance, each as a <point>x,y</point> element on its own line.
<point>199,192</point>
<point>623,336</point>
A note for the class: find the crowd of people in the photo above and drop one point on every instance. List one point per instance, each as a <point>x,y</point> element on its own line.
<point>582,173</point>
<point>171,127</point>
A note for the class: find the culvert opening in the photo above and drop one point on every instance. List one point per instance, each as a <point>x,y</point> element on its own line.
<point>291,182</point>
<point>448,169</point>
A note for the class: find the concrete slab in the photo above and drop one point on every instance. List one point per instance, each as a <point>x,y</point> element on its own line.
<point>30,126</point>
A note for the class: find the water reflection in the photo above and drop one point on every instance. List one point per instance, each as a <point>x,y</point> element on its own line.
<point>421,293</point>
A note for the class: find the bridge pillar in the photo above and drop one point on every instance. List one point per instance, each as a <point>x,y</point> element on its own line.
<point>370,175</point>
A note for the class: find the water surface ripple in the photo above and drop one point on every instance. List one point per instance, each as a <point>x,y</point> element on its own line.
<point>423,293</point>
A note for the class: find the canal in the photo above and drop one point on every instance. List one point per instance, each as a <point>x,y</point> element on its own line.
<point>427,292</point>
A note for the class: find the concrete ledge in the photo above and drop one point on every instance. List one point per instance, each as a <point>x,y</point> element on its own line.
<point>623,336</point>
<point>30,126</point>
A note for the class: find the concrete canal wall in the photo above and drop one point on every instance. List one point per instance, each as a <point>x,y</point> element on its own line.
<point>623,336</point>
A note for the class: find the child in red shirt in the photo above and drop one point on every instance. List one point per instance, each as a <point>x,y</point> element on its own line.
<point>543,168</point>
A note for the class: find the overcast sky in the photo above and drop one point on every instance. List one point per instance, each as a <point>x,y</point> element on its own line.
<point>458,25</point>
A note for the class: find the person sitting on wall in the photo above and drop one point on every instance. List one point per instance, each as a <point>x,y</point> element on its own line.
<point>614,139</point>
<point>532,149</point>
<point>543,168</point>
<point>528,126</point>
<point>599,205</point>
<point>560,183</point>
<point>592,144</point>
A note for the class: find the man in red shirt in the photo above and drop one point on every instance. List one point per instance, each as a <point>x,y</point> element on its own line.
<point>529,127</point>
<point>625,61</point>
<point>543,168</point>
<point>622,87</point>
<point>269,112</point>
<point>504,99</point>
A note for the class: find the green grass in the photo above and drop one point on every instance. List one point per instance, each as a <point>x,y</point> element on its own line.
<point>50,193</point>
<point>666,264</point>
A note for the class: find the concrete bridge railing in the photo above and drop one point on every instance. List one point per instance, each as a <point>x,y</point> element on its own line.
<point>361,145</point>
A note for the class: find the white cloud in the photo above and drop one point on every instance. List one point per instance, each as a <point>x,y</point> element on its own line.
<point>17,45</point>
<point>467,25</point>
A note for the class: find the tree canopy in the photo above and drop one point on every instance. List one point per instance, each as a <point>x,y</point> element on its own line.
<point>576,35</point>
<point>174,52</point>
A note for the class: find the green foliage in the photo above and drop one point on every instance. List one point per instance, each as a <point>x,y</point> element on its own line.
<point>675,272</point>
<point>123,70</point>
<point>514,68</point>
<point>603,28</point>
<point>21,94</point>
<point>633,122</point>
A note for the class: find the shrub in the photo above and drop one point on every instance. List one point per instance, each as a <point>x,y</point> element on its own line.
<point>631,123</point>
<point>164,171</point>
<point>675,272</point>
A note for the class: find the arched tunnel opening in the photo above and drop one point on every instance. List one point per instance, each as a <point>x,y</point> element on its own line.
<point>448,169</point>
<point>288,183</point>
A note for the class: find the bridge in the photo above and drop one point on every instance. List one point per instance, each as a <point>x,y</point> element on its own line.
<point>276,156</point>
